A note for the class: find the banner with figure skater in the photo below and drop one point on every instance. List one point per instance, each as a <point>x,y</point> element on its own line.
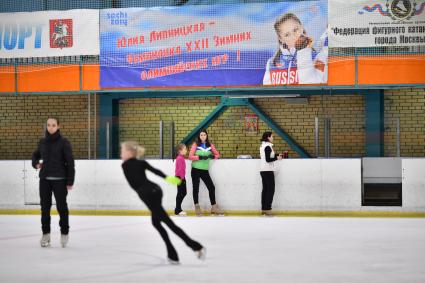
<point>282,43</point>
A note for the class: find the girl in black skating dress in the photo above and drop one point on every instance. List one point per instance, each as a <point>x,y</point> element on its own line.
<point>151,194</point>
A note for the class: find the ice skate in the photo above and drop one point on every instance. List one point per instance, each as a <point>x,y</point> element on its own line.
<point>216,211</point>
<point>172,257</point>
<point>182,213</point>
<point>198,210</point>
<point>173,262</point>
<point>201,254</point>
<point>267,213</point>
<point>45,240</point>
<point>64,240</point>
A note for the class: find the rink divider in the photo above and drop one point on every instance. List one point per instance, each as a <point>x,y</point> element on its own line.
<point>117,212</point>
<point>304,187</point>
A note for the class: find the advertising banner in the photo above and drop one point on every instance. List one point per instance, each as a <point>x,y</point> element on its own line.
<point>359,23</point>
<point>49,33</point>
<point>283,43</point>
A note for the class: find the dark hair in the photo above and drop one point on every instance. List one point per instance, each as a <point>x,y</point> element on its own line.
<point>279,21</point>
<point>198,139</point>
<point>54,118</point>
<point>266,136</point>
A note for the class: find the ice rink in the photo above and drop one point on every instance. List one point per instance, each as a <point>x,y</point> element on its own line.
<point>240,249</point>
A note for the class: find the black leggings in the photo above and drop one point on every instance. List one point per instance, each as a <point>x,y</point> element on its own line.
<point>58,188</point>
<point>152,198</point>
<point>205,176</point>
<point>267,177</point>
<point>181,193</point>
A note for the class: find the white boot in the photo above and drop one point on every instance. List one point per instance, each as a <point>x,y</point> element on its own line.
<point>267,213</point>
<point>64,240</point>
<point>201,254</point>
<point>215,210</point>
<point>198,211</point>
<point>45,240</point>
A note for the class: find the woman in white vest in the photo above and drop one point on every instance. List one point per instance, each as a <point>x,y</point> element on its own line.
<point>268,158</point>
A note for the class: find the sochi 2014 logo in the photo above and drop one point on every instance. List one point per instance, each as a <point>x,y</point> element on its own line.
<point>398,10</point>
<point>61,33</point>
<point>401,9</point>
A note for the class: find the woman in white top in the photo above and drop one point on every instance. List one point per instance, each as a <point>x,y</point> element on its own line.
<point>268,157</point>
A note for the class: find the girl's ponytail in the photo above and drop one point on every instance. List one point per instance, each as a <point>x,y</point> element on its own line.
<point>134,147</point>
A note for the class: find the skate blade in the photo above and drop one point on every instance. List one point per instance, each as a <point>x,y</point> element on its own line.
<point>173,262</point>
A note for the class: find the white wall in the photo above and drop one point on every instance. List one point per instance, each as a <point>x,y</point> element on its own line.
<point>12,184</point>
<point>413,182</point>
<point>301,184</point>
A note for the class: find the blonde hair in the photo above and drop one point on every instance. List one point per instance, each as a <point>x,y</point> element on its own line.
<point>134,147</point>
<point>180,147</point>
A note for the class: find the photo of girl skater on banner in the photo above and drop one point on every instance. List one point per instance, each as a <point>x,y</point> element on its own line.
<point>215,45</point>
<point>296,61</point>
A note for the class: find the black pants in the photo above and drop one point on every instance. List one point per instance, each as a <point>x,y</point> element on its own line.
<point>152,197</point>
<point>267,177</point>
<point>181,193</point>
<point>58,188</point>
<point>205,176</point>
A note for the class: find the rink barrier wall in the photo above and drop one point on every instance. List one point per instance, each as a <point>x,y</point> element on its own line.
<point>303,186</point>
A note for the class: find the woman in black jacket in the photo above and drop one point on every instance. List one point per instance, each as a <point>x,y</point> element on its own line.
<point>57,174</point>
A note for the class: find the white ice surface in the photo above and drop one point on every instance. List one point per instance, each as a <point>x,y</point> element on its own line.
<point>240,249</point>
